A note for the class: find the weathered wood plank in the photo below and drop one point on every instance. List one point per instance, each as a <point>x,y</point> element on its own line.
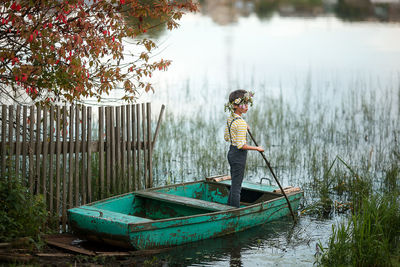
<point>58,156</point>
<point>108,150</point>
<point>134,149</point>
<point>44,177</point>
<point>128,151</point>
<point>10,138</point>
<point>71,163</point>
<point>123,150</point>
<point>31,146</point>
<point>149,145</point>
<point>138,180</point>
<point>218,178</point>
<point>24,144</point>
<point>118,149</point>
<point>70,247</point>
<point>64,184</point>
<point>145,174</point>
<point>54,255</point>
<point>84,177</point>
<point>113,158</point>
<point>51,160</point>
<point>38,148</point>
<point>18,141</point>
<point>15,257</point>
<point>186,201</point>
<point>77,161</point>
<point>101,151</point>
<point>89,153</point>
<point>3,139</point>
<point>158,125</point>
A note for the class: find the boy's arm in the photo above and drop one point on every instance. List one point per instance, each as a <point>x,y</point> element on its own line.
<point>226,134</point>
<point>247,147</point>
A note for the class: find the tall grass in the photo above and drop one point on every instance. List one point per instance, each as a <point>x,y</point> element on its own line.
<point>369,238</point>
<point>301,140</point>
<point>345,155</point>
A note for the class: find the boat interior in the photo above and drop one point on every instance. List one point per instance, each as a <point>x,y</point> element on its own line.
<point>184,200</point>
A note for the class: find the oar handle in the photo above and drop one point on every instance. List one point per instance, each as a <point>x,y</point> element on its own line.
<point>273,174</point>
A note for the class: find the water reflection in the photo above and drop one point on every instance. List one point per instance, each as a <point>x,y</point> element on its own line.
<point>224,12</point>
<point>277,243</point>
<point>235,257</point>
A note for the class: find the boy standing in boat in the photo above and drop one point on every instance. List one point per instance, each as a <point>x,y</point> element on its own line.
<point>235,133</point>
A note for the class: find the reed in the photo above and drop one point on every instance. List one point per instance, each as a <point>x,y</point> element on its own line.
<point>369,238</point>
<point>300,140</point>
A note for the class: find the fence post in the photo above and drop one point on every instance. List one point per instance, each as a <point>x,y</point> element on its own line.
<point>18,141</point>
<point>101,150</point>
<point>24,143</point>
<point>149,146</point>
<point>49,140</point>
<point>64,189</point>
<point>89,153</point>
<point>3,139</point>
<point>51,160</point>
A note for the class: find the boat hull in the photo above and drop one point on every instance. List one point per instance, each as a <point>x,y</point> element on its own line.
<point>140,233</point>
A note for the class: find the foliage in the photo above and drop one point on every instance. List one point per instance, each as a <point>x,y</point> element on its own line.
<point>347,184</point>
<point>21,213</point>
<point>369,238</point>
<point>67,50</point>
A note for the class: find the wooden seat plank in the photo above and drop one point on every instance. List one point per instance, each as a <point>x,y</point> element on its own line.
<point>113,215</point>
<point>186,201</point>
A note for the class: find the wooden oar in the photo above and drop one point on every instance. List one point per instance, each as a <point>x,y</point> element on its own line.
<point>273,174</point>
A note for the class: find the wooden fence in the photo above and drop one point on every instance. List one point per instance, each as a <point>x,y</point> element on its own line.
<point>51,151</point>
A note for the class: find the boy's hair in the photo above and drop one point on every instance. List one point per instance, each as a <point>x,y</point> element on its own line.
<point>236,94</point>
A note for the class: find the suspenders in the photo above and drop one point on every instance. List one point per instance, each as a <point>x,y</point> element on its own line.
<point>230,125</point>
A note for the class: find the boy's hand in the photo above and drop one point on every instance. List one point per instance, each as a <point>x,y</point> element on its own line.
<point>260,149</point>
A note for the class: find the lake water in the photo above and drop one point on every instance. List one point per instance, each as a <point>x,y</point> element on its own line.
<point>326,81</point>
<point>227,45</point>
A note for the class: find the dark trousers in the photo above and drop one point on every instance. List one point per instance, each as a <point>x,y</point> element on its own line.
<point>237,161</point>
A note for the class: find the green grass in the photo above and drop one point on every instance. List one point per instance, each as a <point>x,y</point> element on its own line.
<point>371,237</point>
<point>300,141</point>
<point>345,156</point>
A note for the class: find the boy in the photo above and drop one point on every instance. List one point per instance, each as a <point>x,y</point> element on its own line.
<point>235,133</point>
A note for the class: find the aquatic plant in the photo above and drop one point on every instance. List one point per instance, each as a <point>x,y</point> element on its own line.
<point>368,238</point>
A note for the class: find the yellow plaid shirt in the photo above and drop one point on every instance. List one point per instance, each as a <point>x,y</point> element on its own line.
<point>238,131</point>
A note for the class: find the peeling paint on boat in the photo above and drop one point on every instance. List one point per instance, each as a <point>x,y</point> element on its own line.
<point>190,212</point>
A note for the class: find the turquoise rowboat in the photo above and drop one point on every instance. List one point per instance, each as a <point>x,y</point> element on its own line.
<point>177,214</point>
